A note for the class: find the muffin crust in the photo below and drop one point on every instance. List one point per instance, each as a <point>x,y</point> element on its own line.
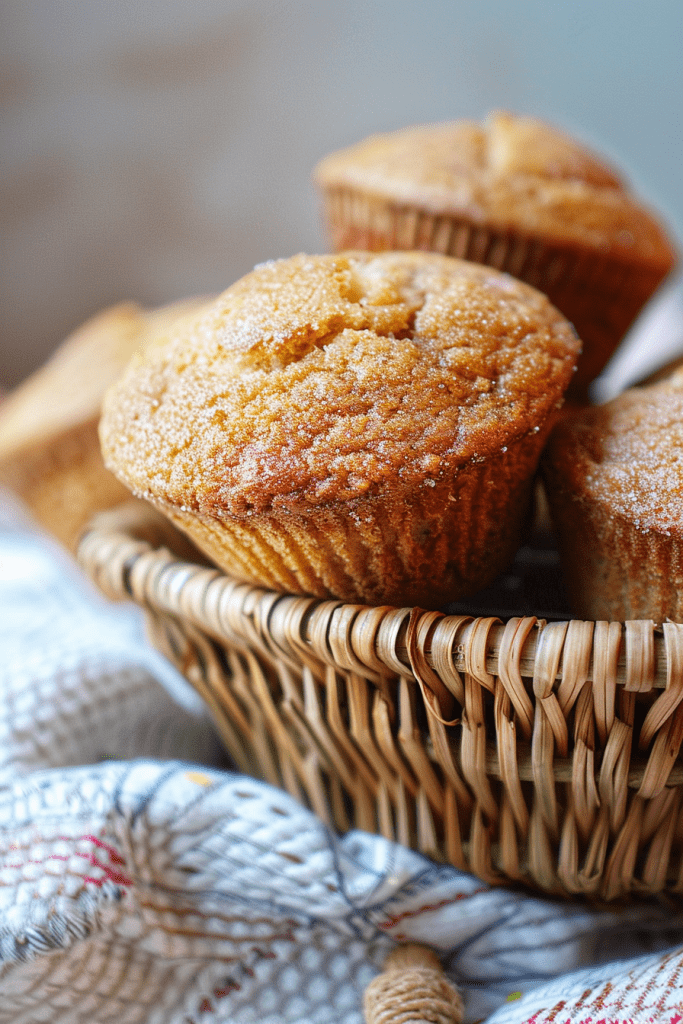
<point>320,380</point>
<point>511,173</point>
<point>615,484</point>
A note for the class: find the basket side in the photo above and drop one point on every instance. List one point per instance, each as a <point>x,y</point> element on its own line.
<point>526,751</point>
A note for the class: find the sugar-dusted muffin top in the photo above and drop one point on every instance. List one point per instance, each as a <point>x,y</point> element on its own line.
<point>322,379</point>
<point>512,172</point>
<point>627,457</point>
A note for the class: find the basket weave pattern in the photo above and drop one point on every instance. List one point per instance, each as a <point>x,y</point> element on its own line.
<point>540,752</point>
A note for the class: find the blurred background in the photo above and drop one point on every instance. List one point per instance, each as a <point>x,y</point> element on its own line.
<point>156,150</point>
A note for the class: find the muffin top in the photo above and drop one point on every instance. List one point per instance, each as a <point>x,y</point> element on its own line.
<point>323,379</point>
<point>511,173</point>
<point>627,456</point>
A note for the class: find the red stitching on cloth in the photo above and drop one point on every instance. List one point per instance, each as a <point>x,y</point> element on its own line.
<point>428,907</point>
<point>230,985</point>
<point>115,856</point>
<point>220,993</point>
<point>552,1019</point>
<point>110,875</point>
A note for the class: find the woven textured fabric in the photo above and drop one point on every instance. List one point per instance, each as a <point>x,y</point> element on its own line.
<point>78,682</point>
<point>163,893</point>
<point>645,990</point>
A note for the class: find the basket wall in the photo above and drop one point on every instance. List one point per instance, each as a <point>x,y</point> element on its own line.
<point>544,753</point>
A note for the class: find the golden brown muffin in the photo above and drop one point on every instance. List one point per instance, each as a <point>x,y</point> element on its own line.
<point>513,193</point>
<point>49,448</point>
<point>360,426</point>
<point>614,478</point>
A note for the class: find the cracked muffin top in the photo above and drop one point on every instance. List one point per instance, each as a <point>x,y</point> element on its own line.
<point>322,379</point>
<point>511,173</point>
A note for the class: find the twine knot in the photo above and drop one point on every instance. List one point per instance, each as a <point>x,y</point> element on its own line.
<point>412,989</point>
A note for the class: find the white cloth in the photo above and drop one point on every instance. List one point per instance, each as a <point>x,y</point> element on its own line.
<point>655,340</point>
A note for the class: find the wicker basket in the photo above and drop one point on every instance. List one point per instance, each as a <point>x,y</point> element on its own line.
<point>531,751</point>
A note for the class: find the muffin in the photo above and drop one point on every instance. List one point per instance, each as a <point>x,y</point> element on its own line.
<point>513,193</point>
<point>361,426</point>
<point>614,479</point>
<point>49,448</point>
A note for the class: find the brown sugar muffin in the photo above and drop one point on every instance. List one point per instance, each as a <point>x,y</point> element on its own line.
<point>614,478</point>
<point>360,426</point>
<point>513,193</point>
<point>49,448</point>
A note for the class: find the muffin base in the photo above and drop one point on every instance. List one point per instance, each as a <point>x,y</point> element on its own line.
<point>434,545</point>
<point>612,570</point>
<point>601,296</point>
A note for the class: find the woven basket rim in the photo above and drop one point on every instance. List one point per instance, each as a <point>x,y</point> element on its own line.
<point>134,530</point>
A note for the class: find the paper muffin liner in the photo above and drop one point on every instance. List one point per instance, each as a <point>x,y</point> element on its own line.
<point>613,570</point>
<point>600,296</point>
<point>444,540</point>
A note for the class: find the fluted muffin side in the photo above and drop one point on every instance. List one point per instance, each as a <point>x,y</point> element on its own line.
<point>361,426</point>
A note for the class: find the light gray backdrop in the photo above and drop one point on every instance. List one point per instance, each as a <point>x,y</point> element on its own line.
<point>159,149</point>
